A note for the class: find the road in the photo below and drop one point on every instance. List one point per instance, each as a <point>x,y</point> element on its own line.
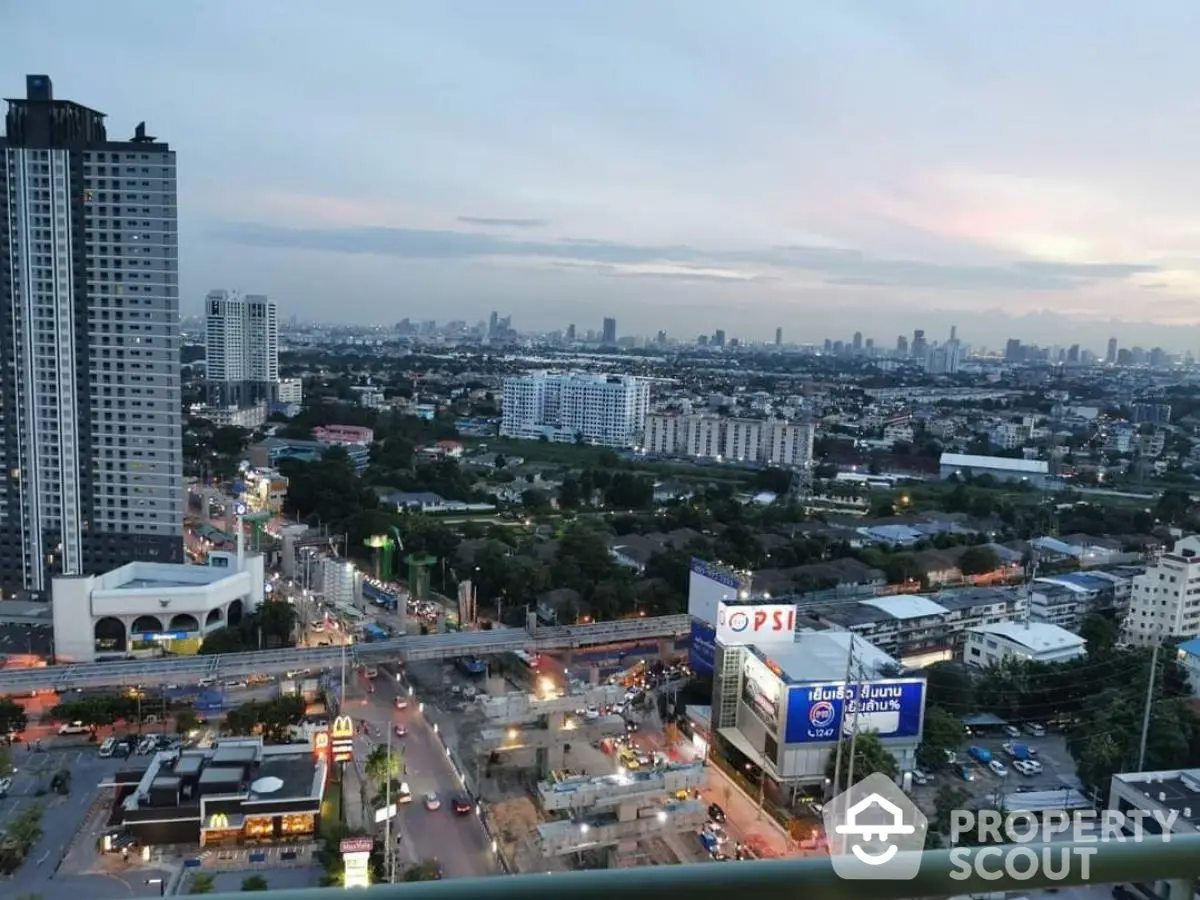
<point>457,842</point>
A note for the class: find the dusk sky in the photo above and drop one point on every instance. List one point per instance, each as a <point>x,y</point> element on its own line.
<point>825,167</point>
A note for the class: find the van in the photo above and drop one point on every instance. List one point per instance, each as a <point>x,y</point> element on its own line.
<point>106,749</point>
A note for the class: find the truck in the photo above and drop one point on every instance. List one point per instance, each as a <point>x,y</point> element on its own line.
<point>980,754</point>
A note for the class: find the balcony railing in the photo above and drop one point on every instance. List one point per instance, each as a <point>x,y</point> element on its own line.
<point>1167,869</point>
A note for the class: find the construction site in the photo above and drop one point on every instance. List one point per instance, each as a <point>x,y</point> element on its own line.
<point>555,799</point>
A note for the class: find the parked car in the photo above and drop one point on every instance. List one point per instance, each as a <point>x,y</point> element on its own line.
<point>716,813</point>
<point>1035,729</point>
<point>998,768</point>
<point>1012,731</point>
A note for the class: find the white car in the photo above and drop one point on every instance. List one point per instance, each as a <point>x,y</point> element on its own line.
<point>432,801</point>
<point>401,703</point>
<point>998,768</point>
<point>5,786</point>
<point>1012,731</point>
<point>73,728</point>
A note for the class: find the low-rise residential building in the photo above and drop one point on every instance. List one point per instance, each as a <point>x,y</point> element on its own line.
<point>1033,641</point>
<point>775,442</point>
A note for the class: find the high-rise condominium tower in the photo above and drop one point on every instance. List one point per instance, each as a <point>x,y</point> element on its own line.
<point>241,340</point>
<point>90,417</point>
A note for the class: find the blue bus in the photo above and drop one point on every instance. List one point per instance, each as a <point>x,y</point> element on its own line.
<point>471,665</point>
<point>373,632</point>
<point>378,596</point>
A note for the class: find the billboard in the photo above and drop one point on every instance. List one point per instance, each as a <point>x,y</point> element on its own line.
<point>759,623</point>
<point>708,586</point>
<point>893,708</point>
<point>703,648</point>
<point>760,691</point>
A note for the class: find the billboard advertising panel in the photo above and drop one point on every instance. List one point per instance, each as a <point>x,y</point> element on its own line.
<point>892,708</point>
<point>761,689</point>
<point>760,623</point>
<point>708,585</point>
<point>703,649</point>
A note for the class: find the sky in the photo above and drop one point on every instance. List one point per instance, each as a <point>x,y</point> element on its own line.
<point>1019,168</point>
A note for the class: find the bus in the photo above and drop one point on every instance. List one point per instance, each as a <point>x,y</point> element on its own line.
<point>471,665</point>
<point>529,660</point>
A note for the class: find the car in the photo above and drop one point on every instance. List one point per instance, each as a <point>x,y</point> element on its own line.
<point>401,731</point>
<point>1035,729</point>
<point>432,801</point>
<point>998,768</point>
<point>401,703</point>
<point>1026,767</point>
<point>5,786</point>
<point>1012,731</point>
<point>404,795</point>
<point>716,813</point>
<point>72,728</point>
<point>461,804</point>
<point>966,773</point>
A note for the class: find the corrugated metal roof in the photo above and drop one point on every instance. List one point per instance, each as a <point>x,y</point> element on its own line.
<point>1001,463</point>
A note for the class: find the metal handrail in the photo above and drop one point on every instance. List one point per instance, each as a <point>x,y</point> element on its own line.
<point>1176,860</point>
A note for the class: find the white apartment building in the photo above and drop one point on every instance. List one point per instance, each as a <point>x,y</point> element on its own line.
<point>774,442</point>
<point>241,342</point>
<point>289,391</point>
<point>606,410</point>
<point>90,405</point>
<point>1165,602</point>
<point>1033,641</point>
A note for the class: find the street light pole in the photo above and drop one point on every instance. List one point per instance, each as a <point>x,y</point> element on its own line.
<point>1149,704</point>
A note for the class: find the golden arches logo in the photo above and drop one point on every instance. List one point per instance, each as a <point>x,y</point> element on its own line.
<point>218,821</point>
<point>343,727</point>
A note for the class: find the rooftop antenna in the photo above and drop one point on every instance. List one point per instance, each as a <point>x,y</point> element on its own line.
<point>140,136</point>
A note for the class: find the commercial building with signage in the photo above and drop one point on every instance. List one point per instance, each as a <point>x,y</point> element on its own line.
<point>144,609</point>
<point>785,706</point>
<point>236,792</point>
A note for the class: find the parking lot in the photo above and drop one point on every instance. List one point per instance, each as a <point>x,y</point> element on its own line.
<point>1057,769</point>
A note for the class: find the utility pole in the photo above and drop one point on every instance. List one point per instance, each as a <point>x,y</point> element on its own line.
<point>387,811</point>
<point>837,751</point>
<point>1149,703</point>
<point>342,703</point>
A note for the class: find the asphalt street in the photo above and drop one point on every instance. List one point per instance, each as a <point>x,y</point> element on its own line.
<point>457,842</point>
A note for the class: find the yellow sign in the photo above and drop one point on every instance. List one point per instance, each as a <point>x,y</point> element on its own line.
<point>321,743</point>
<point>218,822</point>
<point>343,727</point>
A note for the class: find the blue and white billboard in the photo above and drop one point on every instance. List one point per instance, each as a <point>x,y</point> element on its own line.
<point>709,586</point>
<point>703,649</point>
<point>891,708</point>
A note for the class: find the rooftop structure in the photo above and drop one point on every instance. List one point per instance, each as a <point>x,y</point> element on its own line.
<point>1036,641</point>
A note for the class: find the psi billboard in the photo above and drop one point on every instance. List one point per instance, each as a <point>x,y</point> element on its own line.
<point>763,623</point>
<point>891,708</point>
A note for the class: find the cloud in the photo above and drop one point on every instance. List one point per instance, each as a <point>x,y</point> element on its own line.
<point>837,266</point>
<point>488,222</point>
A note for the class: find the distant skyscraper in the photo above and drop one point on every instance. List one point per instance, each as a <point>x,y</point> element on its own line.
<point>1110,357</point>
<point>609,337</point>
<point>778,337</point>
<point>571,332</point>
<point>858,339</point>
<point>90,408</point>
<point>719,337</point>
<point>901,345</point>
<point>919,345</point>
<point>954,332</point>
<point>493,323</point>
<point>241,340</point>
<point>1013,351</point>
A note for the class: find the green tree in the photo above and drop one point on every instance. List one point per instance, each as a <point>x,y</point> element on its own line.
<point>978,560</point>
<point>429,870</point>
<point>255,883</point>
<point>185,722</point>
<point>202,883</point>
<point>870,756</point>
<point>948,798</point>
<point>942,732</point>
<point>1100,632</point>
<point>13,719</point>
<point>949,685</point>
<point>384,763</point>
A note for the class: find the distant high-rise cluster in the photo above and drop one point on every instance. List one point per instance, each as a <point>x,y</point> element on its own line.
<point>91,450</point>
<point>241,339</point>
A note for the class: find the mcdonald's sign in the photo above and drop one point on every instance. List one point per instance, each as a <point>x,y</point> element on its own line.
<point>342,739</point>
<point>321,744</point>
<point>218,821</point>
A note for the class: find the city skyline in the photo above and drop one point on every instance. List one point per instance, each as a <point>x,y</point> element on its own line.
<point>731,169</point>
